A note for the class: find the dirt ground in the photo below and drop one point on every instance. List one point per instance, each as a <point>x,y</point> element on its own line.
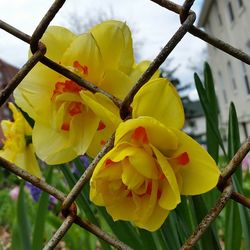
<point>4,239</point>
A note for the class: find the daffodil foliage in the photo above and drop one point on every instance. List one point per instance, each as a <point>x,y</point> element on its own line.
<point>152,163</point>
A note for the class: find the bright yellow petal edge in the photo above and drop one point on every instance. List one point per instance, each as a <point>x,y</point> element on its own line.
<point>15,148</point>
<point>159,99</point>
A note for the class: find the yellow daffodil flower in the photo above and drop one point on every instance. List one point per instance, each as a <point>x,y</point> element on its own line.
<point>16,149</point>
<point>70,120</point>
<point>152,162</point>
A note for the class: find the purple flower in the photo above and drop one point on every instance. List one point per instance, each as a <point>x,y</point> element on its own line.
<point>52,202</point>
<point>85,160</point>
<point>35,192</point>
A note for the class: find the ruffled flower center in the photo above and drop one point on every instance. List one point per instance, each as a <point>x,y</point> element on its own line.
<point>72,108</point>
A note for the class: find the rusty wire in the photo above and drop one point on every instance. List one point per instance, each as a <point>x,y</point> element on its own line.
<point>68,208</point>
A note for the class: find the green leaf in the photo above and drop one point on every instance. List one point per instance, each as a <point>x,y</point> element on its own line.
<point>237,216</point>
<point>170,233</point>
<point>123,230</point>
<point>212,142</point>
<point>200,210</point>
<point>16,243</point>
<point>234,138</point>
<point>82,202</point>
<point>22,220</point>
<point>233,229</point>
<point>147,239</point>
<point>184,219</point>
<point>208,112</point>
<point>75,236</point>
<point>161,239</point>
<point>244,217</point>
<point>42,211</point>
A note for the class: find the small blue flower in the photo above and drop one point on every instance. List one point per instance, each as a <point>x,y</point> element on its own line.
<point>85,159</point>
<point>35,192</point>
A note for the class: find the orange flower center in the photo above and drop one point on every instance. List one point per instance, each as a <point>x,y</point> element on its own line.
<point>140,135</point>
<point>69,86</point>
<point>83,69</point>
<point>182,159</point>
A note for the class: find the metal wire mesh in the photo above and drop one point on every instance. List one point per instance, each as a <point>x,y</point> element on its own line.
<point>68,207</point>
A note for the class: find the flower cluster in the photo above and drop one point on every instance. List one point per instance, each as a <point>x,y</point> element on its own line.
<point>75,120</point>
<point>152,163</point>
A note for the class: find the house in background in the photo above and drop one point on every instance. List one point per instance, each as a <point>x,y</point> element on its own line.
<point>228,20</point>
<point>7,71</point>
<point>195,122</point>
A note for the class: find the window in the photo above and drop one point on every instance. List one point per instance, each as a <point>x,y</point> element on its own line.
<point>208,28</point>
<point>245,77</point>
<point>231,75</point>
<point>248,47</point>
<point>230,11</point>
<point>218,13</point>
<point>240,3</point>
<point>221,83</point>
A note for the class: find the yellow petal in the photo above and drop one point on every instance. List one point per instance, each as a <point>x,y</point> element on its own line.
<point>158,135</point>
<point>57,39</point>
<point>85,51</point>
<point>33,95</point>
<point>130,177</point>
<point>102,107</point>
<point>8,154</point>
<point>200,174</point>
<point>159,99</point>
<point>51,145</point>
<point>106,193</point>
<point>108,115</point>
<point>99,140</point>
<point>143,163</point>
<point>145,205</point>
<point>103,175</point>
<point>29,163</point>
<point>101,163</point>
<point>15,113</point>
<point>170,193</point>
<point>122,209</point>
<point>140,161</point>
<point>139,69</point>
<point>117,83</point>
<point>114,38</point>
<point>82,131</point>
<point>155,221</point>
<point>111,172</point>
<point>55,146</point>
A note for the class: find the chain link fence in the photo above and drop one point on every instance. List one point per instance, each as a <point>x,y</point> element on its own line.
<point>68,207</point>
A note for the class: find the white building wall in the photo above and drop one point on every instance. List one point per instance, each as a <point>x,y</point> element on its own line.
<point>229,73</point>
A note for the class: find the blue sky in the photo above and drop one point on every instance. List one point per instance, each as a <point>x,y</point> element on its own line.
<point>153,26</point>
